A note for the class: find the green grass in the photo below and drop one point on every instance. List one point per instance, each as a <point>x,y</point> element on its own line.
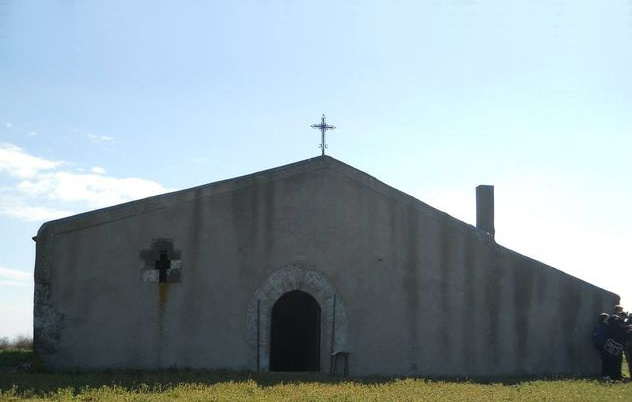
<point>18,383</point>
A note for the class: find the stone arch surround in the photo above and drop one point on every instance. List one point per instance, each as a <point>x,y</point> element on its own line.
<point>295,276</point>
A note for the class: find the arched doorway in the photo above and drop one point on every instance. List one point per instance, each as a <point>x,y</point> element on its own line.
<point>295,333</point>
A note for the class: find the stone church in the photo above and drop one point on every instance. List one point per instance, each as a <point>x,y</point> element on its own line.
<point>299,267</point>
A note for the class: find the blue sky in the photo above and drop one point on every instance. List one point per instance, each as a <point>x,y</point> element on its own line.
<point>104,102</point>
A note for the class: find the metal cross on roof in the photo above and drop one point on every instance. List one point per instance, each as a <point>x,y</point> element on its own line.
<point>323,126</point>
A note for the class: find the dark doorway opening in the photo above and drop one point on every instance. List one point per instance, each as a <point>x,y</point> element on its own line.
<point>295,333</point>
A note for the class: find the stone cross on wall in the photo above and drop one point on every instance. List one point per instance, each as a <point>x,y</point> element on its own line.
<point>162,265</point>
<point>161,262</point>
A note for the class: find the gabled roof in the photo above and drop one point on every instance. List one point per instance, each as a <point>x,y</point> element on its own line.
<point>154,203</point>
<point>162,201</point>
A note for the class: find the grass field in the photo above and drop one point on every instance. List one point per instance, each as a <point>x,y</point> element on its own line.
<point>18,383</point>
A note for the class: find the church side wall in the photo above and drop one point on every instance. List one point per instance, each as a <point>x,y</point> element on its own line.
<point>424,294</point>
<point>435,297</point>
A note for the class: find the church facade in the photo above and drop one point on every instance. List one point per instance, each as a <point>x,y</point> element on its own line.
<point>281,269</point>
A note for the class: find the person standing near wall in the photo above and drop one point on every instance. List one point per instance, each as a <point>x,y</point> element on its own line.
<point>599,336</point>
<point>628,343</point>
<point>613,347</point>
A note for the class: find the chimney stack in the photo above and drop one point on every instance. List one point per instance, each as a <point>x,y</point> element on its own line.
<point>485,208</point>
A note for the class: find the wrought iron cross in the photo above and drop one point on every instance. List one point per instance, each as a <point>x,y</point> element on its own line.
<point>323,127</point>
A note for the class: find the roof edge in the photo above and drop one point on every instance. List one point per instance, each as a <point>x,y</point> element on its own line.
<point>156,202</point>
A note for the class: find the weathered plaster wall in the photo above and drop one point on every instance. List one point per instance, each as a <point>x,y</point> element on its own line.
<point>424,294</point>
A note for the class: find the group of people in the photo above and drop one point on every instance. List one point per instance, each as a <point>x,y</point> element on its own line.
<point>612,337</point>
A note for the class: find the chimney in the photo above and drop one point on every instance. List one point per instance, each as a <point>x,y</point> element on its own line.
<point>485,208</point>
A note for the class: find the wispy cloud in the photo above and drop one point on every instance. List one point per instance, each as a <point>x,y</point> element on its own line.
<point>26,130</point>
<point>45,190</point>
<point>13,277</point>
<point>18,208</point>
<point>98,139</point>
<point>94,189</point>
<point>17,163</point>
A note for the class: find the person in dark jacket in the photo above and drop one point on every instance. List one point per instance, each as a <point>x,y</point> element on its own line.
<point>612,352</point>
<point>600,333</point>
<point>628,343</point>
<point>599,336</point>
